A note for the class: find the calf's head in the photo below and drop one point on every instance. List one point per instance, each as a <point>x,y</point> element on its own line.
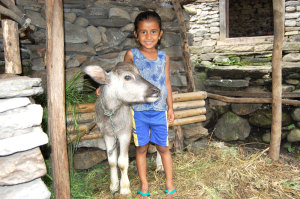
<point>125,83</point>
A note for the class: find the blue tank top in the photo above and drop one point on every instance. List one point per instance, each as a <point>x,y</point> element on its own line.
<point>154,72</point>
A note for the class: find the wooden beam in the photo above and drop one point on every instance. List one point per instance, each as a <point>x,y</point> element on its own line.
<point>185,47</point>
<point>253,94</point>
<point>56,98</point>
<point>278,13</point>
<point>11,46</point>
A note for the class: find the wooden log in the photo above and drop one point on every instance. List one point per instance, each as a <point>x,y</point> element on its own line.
<point>11,46</point>
<point>82,108</point>
<point>188,104</point>
<point>188,120</point>
<point>198,95</point>
<point>278,13</point>
<point>95,134</point>
<point>250,100</point>
<point>178,138</point>
<point>184,46</point>
<point>56,98</point>
<point>85,127</point>
<point>254,94</point>
<point>190,112</point>
<point>81,117</point>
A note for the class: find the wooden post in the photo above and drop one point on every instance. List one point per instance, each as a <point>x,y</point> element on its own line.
<point>185,47</point>
<point>11,46</point>
<point>278,10</point>
<point>56,98</point>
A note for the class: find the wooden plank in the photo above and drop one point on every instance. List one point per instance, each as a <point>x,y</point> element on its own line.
<point>56,98</point>
<point>254,94</point>
<point>184,46</point>
<point>11,45</point>
<point>82,108</point>
<point>81,117</point>
<point>85,127</point>
<point>178,138</point>
<point>190,112</point>
<point>278,13</point>
<point>179,97</point>
<point>188,104</point>
<point>95,134</point>
<point>188,120</point>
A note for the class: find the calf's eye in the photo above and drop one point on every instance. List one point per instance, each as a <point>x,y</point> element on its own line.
<point>127,77</point>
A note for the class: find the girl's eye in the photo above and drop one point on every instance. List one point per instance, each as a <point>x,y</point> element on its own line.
<point>127,78</point>
<point>153,32</point>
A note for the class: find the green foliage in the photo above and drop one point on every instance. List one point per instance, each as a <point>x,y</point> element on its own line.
<point>291,126</point>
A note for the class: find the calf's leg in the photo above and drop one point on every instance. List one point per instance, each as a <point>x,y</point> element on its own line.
<point>112,160</point>
<point>123,162</point>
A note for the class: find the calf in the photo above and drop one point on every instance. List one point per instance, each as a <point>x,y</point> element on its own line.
<point>122,86</point>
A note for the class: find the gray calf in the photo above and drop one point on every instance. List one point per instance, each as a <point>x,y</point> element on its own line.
<point>123,86</point>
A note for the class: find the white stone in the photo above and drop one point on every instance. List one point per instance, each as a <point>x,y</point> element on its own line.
<point>23,142</point>
<point>22,167</point>
<point>12,103</point>
<point>20,118</point>
<point>35,189</point>
<point>118,13</point>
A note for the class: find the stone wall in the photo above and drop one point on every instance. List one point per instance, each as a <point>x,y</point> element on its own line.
<point>21,161</point>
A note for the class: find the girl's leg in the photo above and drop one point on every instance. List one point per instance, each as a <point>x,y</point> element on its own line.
<point>167,163</point>
<point>141,162</point>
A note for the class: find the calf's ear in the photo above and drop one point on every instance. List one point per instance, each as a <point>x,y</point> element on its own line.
<point>96,73</point>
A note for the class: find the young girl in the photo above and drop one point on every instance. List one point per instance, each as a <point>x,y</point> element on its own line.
<point>150,120</point>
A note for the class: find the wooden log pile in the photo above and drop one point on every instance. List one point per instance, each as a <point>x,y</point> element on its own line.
<point>188,108</point>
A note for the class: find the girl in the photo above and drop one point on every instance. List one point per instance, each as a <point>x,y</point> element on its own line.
<point>150,119</point>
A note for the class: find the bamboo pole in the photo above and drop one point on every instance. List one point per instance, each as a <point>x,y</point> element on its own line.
<point>56,99</point>
<point>190,112</point>
<point>197,95</point>
<point>82,108</point>
<point>11,45</point>
<point>278,12</point>
<point>185,47</point>
<point>95,134</point>
<point>188,120</point>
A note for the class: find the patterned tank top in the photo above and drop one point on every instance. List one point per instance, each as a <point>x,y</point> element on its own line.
<point>154,72</point>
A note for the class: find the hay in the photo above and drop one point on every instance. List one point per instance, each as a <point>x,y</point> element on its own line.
<point>218,171</point>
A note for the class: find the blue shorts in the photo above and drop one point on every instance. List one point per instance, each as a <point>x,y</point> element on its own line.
<point>150,126</point>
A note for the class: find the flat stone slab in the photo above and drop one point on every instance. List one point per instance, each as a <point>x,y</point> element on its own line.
<point>20,86</point>
<point>12,103</point>
<point>231,83</point>
<point>20,118</point>
<point>22,167</point>
<point>23,142</point>
<point>35,189</point>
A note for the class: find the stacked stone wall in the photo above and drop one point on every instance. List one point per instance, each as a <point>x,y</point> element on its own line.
<point>21,161</point>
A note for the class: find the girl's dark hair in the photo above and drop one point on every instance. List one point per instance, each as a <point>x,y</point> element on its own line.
<point>146,15</point>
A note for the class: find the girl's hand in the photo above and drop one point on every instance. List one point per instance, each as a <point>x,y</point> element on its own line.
<point>98,92</point>
<point>171,115</point>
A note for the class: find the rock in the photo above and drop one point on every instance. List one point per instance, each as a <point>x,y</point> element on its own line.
<point>80,21</point>
<point>70,17</point>
<point>235,83</point>
<point>76,61</point>
<point>263,118</point>
<point>95,143</point>
<point>170,39</point>
<point>152,148</point>
<point>291,57</point>
<point>75,34</point>
<point>118,13</point>
<point>21,118</point>
<point>23,142</point>
<point>111,23</point>
<point>194,131</point>
<point>294,135</point>
<point>232,127</point>
<point>22,167</point>
<point>20,86</point>
<point>245,109</point>
<point>34,189</point>
<point>266,137</point>
<point>166,14</point>
<point>296,114</point>
<point>36,19</point>
<point>174,52</point>
<point>94,36</point>
<point>80,48</point>
<point>86,158</point>
<point>12,103</point>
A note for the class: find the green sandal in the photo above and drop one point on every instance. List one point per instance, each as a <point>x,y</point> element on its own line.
<point>143,194</point>
<point>170,192</point>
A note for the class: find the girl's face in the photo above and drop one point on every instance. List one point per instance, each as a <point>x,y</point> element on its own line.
<point>148,33</point>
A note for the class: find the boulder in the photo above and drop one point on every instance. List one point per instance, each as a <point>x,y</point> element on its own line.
<point>294,135</point>
<point>232,127</point>
<point>85,158</point>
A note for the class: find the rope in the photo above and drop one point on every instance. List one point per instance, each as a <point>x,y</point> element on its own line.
<point>110,114</point>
